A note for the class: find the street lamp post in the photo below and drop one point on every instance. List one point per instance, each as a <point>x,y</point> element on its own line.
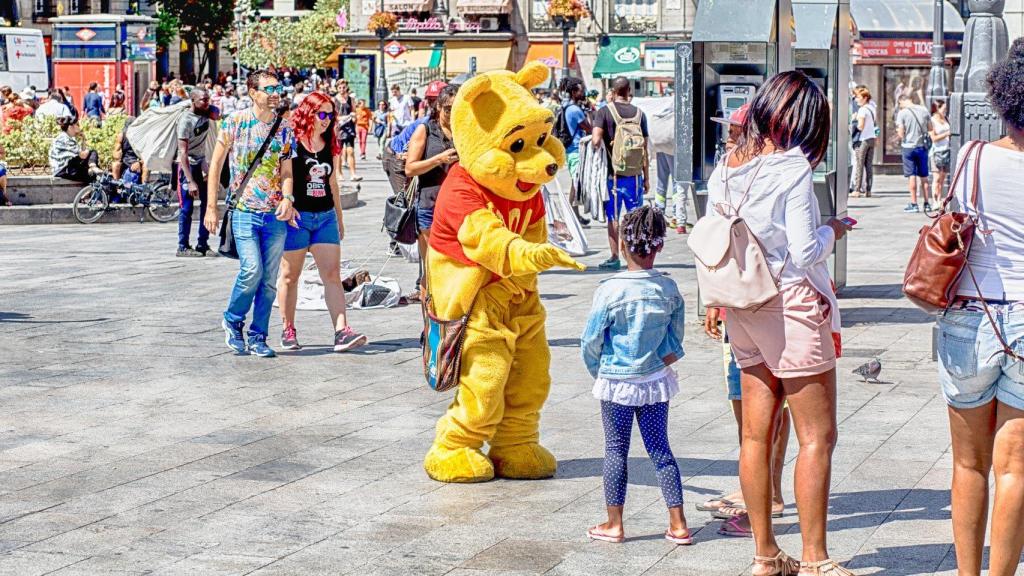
<point>382,83</point>
<point>937,89</point>
<point>239,13</point>
<point>566,23</point>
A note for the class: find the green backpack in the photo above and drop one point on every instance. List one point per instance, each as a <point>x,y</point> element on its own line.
<point>629,152</point>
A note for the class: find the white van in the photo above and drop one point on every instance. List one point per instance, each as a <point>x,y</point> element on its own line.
<point>23,59</point>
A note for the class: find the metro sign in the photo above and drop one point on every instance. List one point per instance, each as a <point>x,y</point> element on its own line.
<point>394,49</point>
<point>85,34</point>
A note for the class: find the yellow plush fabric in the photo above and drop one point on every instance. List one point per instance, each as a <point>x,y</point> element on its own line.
<point>502,136</point>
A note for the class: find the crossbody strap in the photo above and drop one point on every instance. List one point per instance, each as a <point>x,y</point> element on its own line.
<point>256,161</point>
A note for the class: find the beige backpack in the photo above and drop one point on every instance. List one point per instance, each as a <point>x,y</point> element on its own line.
<point>732,270</point>
<point>629,150</point>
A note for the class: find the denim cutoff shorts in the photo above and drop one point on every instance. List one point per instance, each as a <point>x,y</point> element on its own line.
<point>314,228</point>
<point>972,367</point>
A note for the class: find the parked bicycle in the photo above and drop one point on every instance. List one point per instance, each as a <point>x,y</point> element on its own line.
<point>108,194</point>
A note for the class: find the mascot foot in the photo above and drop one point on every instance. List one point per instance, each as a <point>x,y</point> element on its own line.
<point>458,465</point>
<point>523,462</point>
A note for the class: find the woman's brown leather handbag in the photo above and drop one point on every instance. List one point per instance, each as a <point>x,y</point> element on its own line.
<point>940,257</point>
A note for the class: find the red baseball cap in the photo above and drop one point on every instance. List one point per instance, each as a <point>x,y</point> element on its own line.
<point>737,118</point>
<point>434,89</point>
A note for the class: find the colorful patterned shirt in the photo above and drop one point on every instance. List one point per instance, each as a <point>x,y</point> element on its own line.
<point>244,133</point>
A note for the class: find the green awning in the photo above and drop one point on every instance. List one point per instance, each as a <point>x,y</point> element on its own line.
<point>619,56</point>
<point>437,56</point>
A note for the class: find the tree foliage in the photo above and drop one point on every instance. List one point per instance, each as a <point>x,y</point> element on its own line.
<point>27,144</point>
<point>200,22</point>
<point>166,28</point>
<point>302,43</point>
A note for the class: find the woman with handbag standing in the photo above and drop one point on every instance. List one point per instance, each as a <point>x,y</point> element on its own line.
<point>982,380</point>
<point>320,227</point>
<point>786,349</point>
<point>940,133</point>
<point>430,154</point>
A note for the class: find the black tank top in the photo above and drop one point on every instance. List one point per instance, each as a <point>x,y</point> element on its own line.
<point>430,182</point>
<point>313,173</point>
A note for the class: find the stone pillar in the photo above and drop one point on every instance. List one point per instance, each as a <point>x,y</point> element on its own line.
<point>985,43</point>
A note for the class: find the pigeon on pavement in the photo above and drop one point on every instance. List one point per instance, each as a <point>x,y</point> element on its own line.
<point>870,371</point>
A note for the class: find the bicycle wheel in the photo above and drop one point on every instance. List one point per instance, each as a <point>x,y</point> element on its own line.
<point>90,204</point>
<point>162,206</point>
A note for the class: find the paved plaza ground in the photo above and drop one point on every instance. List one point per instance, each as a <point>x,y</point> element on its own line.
<point>133,442</point>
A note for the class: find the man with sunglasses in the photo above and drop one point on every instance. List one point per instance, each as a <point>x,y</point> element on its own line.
<point>262,209</point>
<point>193,129</point>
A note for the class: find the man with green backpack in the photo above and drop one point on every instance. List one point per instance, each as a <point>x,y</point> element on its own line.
<point>621,129</point>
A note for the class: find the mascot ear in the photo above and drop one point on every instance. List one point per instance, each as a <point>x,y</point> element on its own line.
<point>471,90</point>
<point>532,75</point>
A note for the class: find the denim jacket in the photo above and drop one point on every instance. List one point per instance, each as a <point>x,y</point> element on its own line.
<point>637,319</point>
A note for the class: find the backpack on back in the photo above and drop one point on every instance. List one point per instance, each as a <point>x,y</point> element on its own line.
<point>629,152</point>
<point>561,129</point>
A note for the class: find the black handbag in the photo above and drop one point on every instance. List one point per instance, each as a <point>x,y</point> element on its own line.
<point>400,215</point>
<point>227,245</point>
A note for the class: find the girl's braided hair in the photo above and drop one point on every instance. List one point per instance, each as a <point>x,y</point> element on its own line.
<point>643,230</point>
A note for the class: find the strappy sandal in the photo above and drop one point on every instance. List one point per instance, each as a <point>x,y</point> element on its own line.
<point>781,564</point>
<point>824,568</point>
<point>727,512</point>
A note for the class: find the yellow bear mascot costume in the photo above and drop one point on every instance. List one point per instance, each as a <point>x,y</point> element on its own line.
<point>488,241</point>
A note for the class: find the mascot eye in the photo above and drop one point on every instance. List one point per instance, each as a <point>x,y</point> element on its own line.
<point>540,141</point>
<point>518,146</point>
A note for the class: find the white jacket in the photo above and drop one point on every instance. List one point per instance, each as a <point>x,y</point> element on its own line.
<point>782,212</point>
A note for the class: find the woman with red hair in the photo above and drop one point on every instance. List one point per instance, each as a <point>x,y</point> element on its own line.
<point>320,227</point>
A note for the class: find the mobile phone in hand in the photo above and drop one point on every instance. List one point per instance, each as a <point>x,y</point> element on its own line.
<point>850,222</point>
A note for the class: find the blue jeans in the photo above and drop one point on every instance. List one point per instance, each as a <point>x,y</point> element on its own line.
<point>973,370</point>
<point>259,238</point>
<point>187,203</point>
<point>653,422</point>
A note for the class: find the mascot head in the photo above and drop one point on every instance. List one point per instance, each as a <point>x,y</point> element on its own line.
<point>503,135</point>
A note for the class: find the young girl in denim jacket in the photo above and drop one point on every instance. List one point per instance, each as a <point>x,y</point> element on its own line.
<point>633,335</point>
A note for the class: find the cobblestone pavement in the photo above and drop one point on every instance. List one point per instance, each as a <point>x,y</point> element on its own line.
<point>132,442</point>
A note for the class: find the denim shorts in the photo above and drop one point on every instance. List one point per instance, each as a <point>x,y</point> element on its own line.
<point>314,228</point>
<point>424,218</point>
<point>915,162</point>
<point>732,372</point>
<point>972,368</point>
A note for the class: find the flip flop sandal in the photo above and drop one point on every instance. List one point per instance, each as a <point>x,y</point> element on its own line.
<point>727,512</point>
<point>732,529</point>
<point>684,541</point>
<point>708,505</point>
<point>593,534</point>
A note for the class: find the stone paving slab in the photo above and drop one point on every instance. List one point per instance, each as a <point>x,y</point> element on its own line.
<point>133,442</point>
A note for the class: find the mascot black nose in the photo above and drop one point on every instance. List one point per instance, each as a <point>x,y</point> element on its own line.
<point>552,169</point>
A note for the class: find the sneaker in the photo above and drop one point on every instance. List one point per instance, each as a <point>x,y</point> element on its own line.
<point>188,252</point>
<point>258,347</point>
<point>289,340</point>
<point>347,339</point>
<point>867,194</point>
<point>612,264</point>
<point>208,252</point>
<point>927,207</point>
<point>911,209</point>
<point>233,335</point>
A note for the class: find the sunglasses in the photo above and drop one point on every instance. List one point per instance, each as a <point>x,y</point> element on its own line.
<point>325,115</point>
<point>275,89</point>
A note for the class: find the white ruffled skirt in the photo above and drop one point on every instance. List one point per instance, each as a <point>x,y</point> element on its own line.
<point>653,388</point>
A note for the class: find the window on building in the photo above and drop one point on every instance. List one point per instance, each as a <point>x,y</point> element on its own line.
<point>539,19</point>
<point>633,16</point>
<point>265,4</point>
<point>304,4</point>
<point>42,9</point>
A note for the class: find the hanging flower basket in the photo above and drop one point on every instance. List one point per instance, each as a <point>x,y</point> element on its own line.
<point>574,10</point>
<point>383,23</point>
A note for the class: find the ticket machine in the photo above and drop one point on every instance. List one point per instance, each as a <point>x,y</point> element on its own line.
<point>736,45</point>
<point>822,51</point>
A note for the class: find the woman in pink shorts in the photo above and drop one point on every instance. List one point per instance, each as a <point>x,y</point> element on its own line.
<point>786,349</point>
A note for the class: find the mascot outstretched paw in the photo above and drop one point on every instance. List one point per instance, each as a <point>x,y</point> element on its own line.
<point>523,462</point>
<point>458,465</point>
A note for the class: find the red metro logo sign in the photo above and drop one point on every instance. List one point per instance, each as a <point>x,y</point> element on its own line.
<point>394,49</point>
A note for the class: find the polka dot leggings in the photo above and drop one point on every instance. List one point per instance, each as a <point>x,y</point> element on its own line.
<point>653,422</point>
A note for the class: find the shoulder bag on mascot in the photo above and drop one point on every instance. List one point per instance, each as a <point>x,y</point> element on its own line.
<point>227,237</point>
<point>442,345</point>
